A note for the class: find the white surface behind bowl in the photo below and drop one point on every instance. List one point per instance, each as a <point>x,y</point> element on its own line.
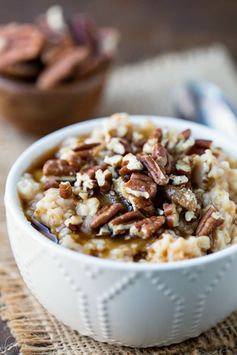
<point>124,303</point>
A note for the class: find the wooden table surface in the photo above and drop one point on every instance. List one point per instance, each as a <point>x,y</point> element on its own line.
<point>148,28</point>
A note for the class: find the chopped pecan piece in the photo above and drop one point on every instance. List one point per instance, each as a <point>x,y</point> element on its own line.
<point>160,154</point>
<point>137,145</point>
<point>154,169</point>
<point>104,179</point>
<point>148,226</point>
<point>145,206</point>
<point>76,161</point>
<point>127,218</point>
<point>179,179</point>
<point>73,223</point>
<point>203,143</point>
<point>171,214</point>
<point>85,146</point>
<point>157,133</point>
<point>200,146</point>
<point>182,196</point>
<point>130,163</point>
<point>184,166</point>
<point>124,169</point>
<point>92,170</point>
<point>105,214</point>
<point>185,134</point>
<point>209,222</point>
<point>57,167</point>
<point>51,183</point>
<point>121,224</point>
<point>65,190</point>
<point>141,185</point>
<point>119,145</point>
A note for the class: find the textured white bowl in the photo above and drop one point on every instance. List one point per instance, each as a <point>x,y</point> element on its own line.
<point>124,303</point>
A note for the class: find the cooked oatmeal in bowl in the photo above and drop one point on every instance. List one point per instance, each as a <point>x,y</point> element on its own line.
<point>133,191</point>
<point>138,199</point>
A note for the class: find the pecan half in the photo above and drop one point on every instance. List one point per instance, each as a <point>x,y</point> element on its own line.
<point>121,224</point>
<point>160,154</point>
<point>21,70</point>
<point>127,218</point>
<point>154,169</point>
<point>63,67</point>
<point>105,214</point>
<point>57,167</point>
<point>85,146</point>
<point>19,43</point>
<point>209,222</point>
<point>182,196</point>
<point>141,185</point>
<point>65,190</point>
<point>171,214</point>
<point>148,226</point>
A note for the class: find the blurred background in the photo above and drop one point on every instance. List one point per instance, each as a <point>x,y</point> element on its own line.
<point>148,27</point>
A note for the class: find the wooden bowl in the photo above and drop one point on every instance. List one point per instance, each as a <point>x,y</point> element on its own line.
<point>38,112</point>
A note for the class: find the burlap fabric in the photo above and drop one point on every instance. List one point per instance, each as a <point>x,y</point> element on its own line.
<point>140,88</point>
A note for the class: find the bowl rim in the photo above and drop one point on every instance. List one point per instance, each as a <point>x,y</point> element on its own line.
<point>12,201</point>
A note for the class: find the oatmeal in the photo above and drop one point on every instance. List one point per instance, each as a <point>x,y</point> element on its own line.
<point>134,192</point>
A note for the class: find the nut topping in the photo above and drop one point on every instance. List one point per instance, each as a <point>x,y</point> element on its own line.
<point>105,214</point>
<point>127,218</point>
<point>104,179</point>
<point>65,190</point>
<point>203,143</point>
<point>118,145</point>
<point>92,170</point>
<point>182,197</point>
<point>51,183</point>
<point>151,204</point>
<point>200,146</point>
<point>172,217</point>
<point>210,220</point>
<point>85,146</point>
<point>154,169</point>
<point>141,185</point>
<point>157,134</point>
<point>148,226</point>
<point>57,167</point>
<point>185,134</point>
<point>130,163</point>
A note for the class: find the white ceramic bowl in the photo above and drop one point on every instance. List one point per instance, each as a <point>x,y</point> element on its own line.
<point>117,302</point>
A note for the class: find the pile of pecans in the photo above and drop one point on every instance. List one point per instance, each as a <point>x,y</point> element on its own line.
<point>55,50</point>
<point>140,182</point>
